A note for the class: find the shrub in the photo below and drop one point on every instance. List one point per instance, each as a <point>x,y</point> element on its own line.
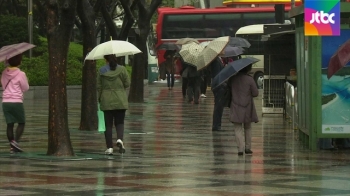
<point>15,30</point>
<point>37,67</point>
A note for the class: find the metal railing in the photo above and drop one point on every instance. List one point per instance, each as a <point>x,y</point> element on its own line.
<point>291,108</point>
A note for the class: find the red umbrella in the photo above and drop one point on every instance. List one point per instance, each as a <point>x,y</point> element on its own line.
<point>339,59</point>
<point>9,51</point>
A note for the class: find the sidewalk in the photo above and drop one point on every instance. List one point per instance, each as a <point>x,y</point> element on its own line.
<point>170,150</point>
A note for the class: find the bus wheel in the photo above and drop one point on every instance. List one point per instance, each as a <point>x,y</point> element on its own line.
<point>259,79</point>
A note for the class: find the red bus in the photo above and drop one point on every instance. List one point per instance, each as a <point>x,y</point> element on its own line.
<point>207,24</point>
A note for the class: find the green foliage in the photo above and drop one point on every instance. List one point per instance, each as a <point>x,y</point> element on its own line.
<point>15,30</point>
<point>165,3</point>
<point>37,67</point>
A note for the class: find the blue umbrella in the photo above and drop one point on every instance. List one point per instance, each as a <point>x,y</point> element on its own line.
<point>231,69</point>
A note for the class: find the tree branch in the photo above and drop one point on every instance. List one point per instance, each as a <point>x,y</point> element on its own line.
<point>125,5</point>
<point>97,6</point>
<point>128,20</point>
<point>152,8</point>
<point>109,22</point>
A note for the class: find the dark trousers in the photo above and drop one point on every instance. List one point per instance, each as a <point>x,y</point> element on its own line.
<point>115,117</point>
<point>219,103</point>
<point>184,86</point>
<point>193,88</point>
<point>204,84</point>
<point>170,79</point>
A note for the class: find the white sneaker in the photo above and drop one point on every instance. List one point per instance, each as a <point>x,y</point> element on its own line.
<point>203,95</point>
<point>109,151</point>
<point>120,145</point>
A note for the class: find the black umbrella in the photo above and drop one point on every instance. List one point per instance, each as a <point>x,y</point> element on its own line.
<point>231,69</point>
<point>238,41</point>
<point>168,46</point>
<point>230,51</point>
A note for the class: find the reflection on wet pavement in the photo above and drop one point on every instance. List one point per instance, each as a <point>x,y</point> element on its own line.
<point>171,150</point>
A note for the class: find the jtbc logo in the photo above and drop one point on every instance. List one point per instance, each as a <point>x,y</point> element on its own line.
<point>322,18</point>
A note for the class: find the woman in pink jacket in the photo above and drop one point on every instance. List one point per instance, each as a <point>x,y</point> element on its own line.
<point>14,83</point>
<point>242,109</point>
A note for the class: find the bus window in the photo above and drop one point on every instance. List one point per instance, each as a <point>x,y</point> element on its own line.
<point>180,26</point>
<point>210,25</point>
<point>223,24</point>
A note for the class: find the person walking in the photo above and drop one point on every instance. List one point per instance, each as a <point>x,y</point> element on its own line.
<point>169,67</point>
<point>242,109</point>
<point>193,85</point>
<point>14,83</point>
<point>204,82</point>
<point>183,76</point>
<point>112,81</point>
<point>219,103</point>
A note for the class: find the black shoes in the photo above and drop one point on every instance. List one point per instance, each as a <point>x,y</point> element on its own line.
<point>247,152</point>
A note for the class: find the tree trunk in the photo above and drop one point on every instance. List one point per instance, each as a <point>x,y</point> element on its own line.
<point>88,119</point>
<point>138,66</point>
<point>60,21</point>
<point>140,62</point>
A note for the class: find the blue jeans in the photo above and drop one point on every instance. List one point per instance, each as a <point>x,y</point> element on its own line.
<point>219,104</point>
<point>172,77</point>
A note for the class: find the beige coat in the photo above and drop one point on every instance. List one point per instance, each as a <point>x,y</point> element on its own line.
<point>243,90</point>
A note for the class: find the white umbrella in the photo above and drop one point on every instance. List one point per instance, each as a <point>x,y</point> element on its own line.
<point>204,44</point>
<point>211,51</point>
<point>116,47</point>
<point>189,53</point>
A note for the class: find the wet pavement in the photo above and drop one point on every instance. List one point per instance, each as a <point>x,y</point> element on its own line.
<point>170,150</point>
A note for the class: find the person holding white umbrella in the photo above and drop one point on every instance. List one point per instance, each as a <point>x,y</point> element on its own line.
<point>111,87</point>
<point>209,58</point>
<point>112,81</point>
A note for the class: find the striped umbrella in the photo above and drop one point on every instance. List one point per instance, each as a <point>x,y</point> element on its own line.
<point>9,51</point>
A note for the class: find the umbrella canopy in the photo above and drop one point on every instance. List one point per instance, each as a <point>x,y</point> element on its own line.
<point>186,40</point>
<point>168,46</point>
<point>117,47</point>
<point>238,41</point>
<point>9,51</point>
<point>231,69</point>
<point>232,51</point>
<point>213,49</point>
<point>339,59</point>
<point>204,44</point>
<point>189,53</point>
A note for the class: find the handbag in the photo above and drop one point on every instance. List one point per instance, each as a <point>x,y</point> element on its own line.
<point>101,120</point>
